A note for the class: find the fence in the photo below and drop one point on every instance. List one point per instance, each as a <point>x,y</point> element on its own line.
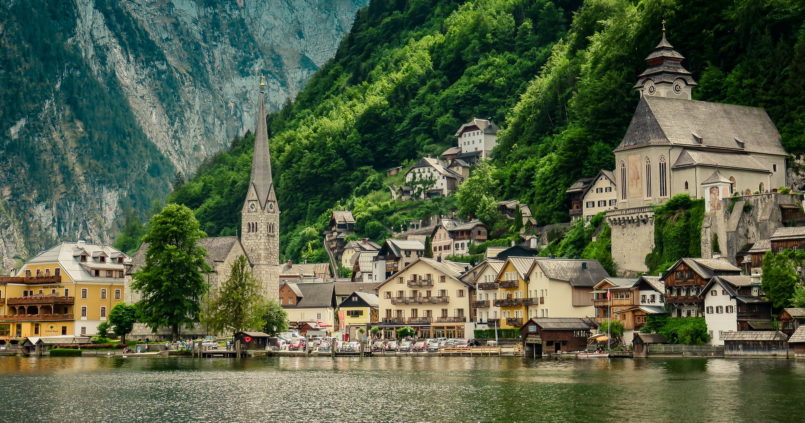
<point>685,350</point>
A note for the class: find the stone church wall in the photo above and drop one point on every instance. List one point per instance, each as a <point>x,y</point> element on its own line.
<point>632,238</point>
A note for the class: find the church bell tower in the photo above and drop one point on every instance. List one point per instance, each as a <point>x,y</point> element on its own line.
<point>665,76</point>
<point>260,216</point>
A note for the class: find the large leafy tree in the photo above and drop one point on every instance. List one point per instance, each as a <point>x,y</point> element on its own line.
<point>122,319</point>
<point>274,317</point>
<point>172,282</point>
<point>780,276</point>
<point>238,304</point>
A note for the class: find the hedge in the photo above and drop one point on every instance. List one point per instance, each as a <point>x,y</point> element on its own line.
<point>90,346</point>
<point>502,333</point>
<point>65,352</point>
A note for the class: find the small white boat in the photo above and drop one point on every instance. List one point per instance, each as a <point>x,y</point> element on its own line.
<point>592,355</point>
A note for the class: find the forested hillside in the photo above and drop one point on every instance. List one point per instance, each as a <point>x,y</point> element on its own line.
<point>556,76</point>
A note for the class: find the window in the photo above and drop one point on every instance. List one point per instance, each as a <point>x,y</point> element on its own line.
<point>622,183</point>
<point>713,293</point>
<point>723,292</point>
<point>686,185</point>
<point>400,279</point>
<point>83,331</point>
<point>589,204</point>
<point>730,309</point>
<point>460,293</point>
<point>47,272</point>
<point>709,310</point>
<point>648,177</point>
<point>774,168</point>
<point>109,274</point>
<point>103,293</point>
<point>97,273</point>
<point>719,309</point>
<point>103,312</point>
<point>444,312</point>
<point>57,271</point>
<point>83,292</point>
<point>663,176</point>
<point>66,292</point>
<point>354,313</point>
<point>27,273</point>
<point>318,316</point>
<point>117,294</point>
<point>64,330</point>
<point>84,312</point>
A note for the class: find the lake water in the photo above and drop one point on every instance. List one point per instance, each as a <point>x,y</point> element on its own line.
<point>399,389</point>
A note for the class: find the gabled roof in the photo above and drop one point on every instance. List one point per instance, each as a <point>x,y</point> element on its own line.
<point>313,295</point>
<point>690,158</point>
<point>362,245</point>
<point>577,272</point>
<point>218,248</point>
<point>364,299</point>
<point>731,283</point>
<point>616,282</point>
<point>798,337</point>
<point>706,268</point>
<point>396,246</point>
<point>650,338</point>
<point>471,275</point>
<point>795,312</point>
<point>451,151</point>
<point>492,251</point>
<point>342,217</point>
<point>653,281</point>
<point>782,233</point>
<point>516,251</point>
<point>476,124</point>
<point>66,255</point>
<point>458,163</point>
<point>761,246</point>
<point>347,288</point>
<point>769,335</point>
<point>669,121</point>
<point>580,185</point>
<point>449,269</point>
<point>716,178</point>
<point>438,166</point>
<point>521,264</point>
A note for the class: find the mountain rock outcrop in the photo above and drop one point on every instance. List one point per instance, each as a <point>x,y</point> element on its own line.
<point>103,103</point>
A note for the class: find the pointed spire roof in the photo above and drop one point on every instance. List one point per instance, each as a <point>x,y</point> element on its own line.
<point>664,65</point>
<point>261,161</point>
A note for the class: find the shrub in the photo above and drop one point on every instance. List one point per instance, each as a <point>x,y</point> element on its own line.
<point>784,190</point>
<point>100,340</point>
<point>502,333</point>
<point>65,352</point>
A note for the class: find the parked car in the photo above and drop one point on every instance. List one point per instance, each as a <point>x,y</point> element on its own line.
<point>391,346</point>
<point>354,346</point>
<point>296,345</point>
<point>324,346</point>
<point>420,346</point>
<point>462,343</point>
<point>433,345</point>
<point>405,346</point>
<point>378,346</point>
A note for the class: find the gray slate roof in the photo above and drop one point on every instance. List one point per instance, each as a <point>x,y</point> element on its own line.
<point>345,288</point>
<point>795,312</point>
<point>485,125</point>
<point>760,335</point>
<point>573,271</point>
<point>314,295</point>
<point>761,246</point>
<point>664,121</point>
<point>798,337</point>
<point>343,216</point>
<point>690,158</point>
<point>261,161</point>
<point>795,232</point>
<point>650,338</point>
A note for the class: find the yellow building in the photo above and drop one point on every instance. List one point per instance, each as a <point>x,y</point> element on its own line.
<point>357,311</point>
<point>514,297</point>
<point>66,290</point>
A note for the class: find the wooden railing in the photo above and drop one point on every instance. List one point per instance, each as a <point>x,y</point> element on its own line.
<point>488,286</point>
<point>41,299</point>
<point>509,284</point>
<point>35,317</point>
<point>514,321</point>
<point>30,279</point>
<point>420,320</point>
<point>454,319</point>
<point>480,303</point>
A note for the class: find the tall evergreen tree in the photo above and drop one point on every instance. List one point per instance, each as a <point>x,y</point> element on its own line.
<point>238,306</point>
<point>172,282</point>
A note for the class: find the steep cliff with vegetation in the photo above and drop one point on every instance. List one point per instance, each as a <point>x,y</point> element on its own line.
<point>555,74</point>
<point>103,102</point>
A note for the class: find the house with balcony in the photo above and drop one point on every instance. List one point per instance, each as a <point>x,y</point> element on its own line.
<point>514,297</point>
<point>564,287</point>
<point>66,290</point>
<point>356,312</point>
<point>629,301</point>
<point>590,196</point>
<point>453,238</point>
<point>686,279</point>
<point>429,296</point>
<point>734,303</point>
<point>791,319</point>
<point>394,255</point>
<point>483,277</point>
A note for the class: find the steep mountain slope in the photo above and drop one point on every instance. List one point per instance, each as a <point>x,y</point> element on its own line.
<point>102,102</point>
<point>556,75</point>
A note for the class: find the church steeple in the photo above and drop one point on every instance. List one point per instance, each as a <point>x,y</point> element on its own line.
<point>260,216</point>
<point>261,179</point>
<point>665,76</point>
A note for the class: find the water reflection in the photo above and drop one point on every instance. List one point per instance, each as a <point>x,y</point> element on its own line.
<point>398,388</point>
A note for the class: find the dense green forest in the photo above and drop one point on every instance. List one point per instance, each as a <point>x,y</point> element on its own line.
<point>556,75</point>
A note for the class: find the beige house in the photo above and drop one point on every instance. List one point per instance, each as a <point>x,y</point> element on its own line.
<point>564,287</point>
<point>355,247</point>
<point>309,303</point>
<point>429,296</point>
<point>482,277</point>
<point>430,177</point>
<point>394,255</point>
<point>476,139</point>
<point>601,195</point>
<point>453,238</point>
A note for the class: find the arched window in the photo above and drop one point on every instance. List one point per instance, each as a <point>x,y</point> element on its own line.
<point>623,180</point>
<point>648,177</point>
<point>663,177</point>
<point>686,185</point>
<point>761,188</point>
<point>732,184</point>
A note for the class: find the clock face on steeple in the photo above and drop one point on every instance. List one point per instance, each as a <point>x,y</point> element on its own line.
<point>677,87</point>
<point>252,206</point>
<point>270,206</point>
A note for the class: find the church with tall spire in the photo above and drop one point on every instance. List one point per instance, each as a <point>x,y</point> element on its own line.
<point>260,216</point>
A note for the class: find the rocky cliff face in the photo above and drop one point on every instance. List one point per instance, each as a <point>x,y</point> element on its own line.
<point>103,102</point>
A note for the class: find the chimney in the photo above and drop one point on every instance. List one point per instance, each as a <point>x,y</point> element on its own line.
<point>584,265</point>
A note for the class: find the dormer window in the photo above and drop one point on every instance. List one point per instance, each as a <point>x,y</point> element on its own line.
<point>102,259</point>
<point>83,258</point>
<point>696,138</point>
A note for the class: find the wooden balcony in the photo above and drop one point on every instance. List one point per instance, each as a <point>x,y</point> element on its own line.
<point>614,302</point>
<point>30,279</point>
<point>509,284</point>
<point>514,321</point>
<point>683,299</point>
<point>394,320</point>
<point>454,319</point>
<point>488,286</point>
<point>414,283</point>
<point>530,301</point>
<point>480,304</point>
<point>509,302</point>
<point>41,300</point>
<point>36,318</point>
<point>420,320</point>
